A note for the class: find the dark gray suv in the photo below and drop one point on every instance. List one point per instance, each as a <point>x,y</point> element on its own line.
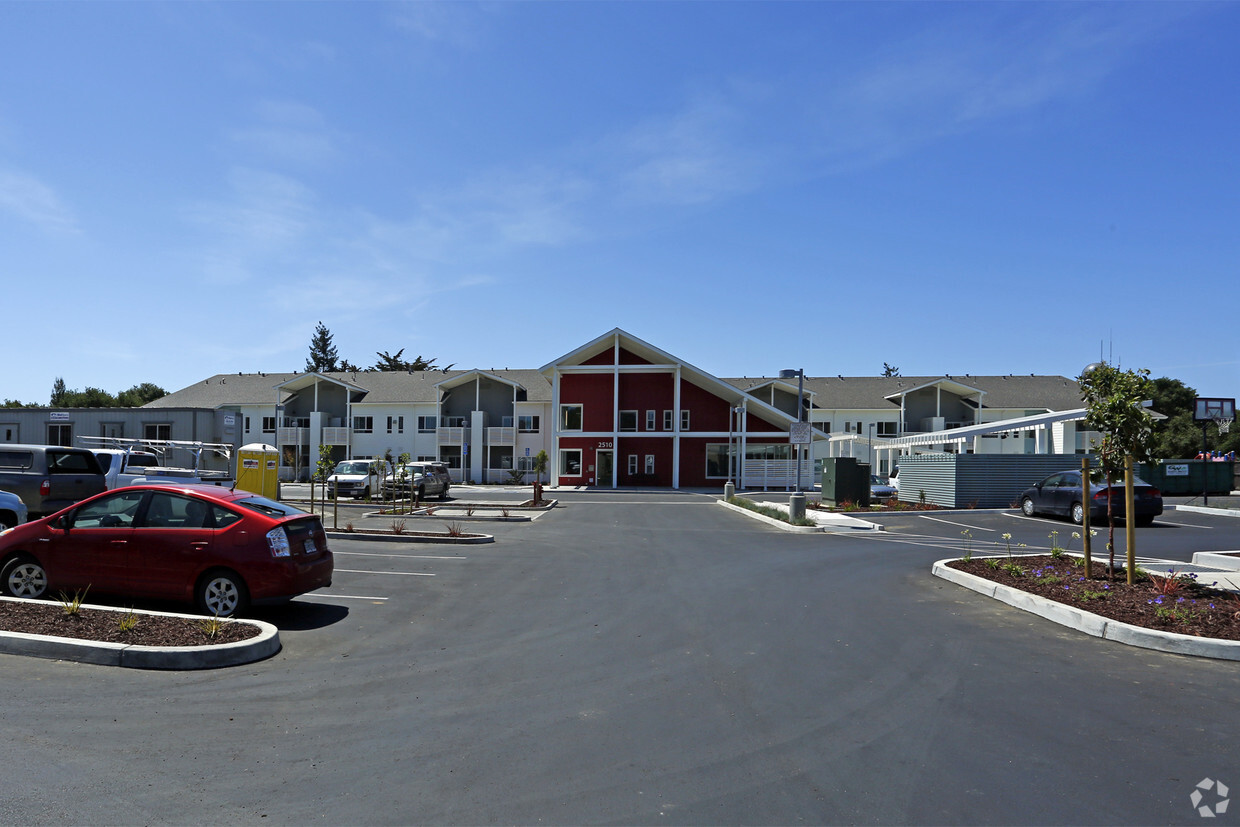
<point>50,477</point>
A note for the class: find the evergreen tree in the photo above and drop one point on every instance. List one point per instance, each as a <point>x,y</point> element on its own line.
<point>890,370</point>
<point>139,395</point>
<point>323,358</point>
<point>395,362</point>
<point>58,392</point>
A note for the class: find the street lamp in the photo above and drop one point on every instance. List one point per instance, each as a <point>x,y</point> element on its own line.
<point>796,503</point>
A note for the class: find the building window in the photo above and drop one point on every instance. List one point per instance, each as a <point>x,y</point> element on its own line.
<point>650,420</point>
<point>269,424</point>
<point>157,430</point>
<point>570,462</point>
<point>628,420</point>
<point>396,421</point>
<point>60,434</point>
<point>247,424</point>
<point>570,418</point>
<point>525,463</point>
<point>363,424</point>
<point>667,420</point>
<point>113,429</point>
<point>886,429</point>
<point>649,463</point>
<point>426,458</point>
<point>717,465</point>
<point>454,422</point>
<point>505,422</point>
<point>528,424</point>
<point>426,424</point>
<point>684,420</point>
<point>632,464</point>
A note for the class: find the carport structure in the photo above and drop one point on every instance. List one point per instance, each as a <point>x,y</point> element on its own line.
<point>1050,433</point>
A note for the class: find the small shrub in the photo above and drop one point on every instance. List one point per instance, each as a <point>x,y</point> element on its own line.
<point>993,562</point>
<point>348,526</point>
<point>430,511</point>
<point>398,526</point>
<point>128,621</point>
<point>1087,596</point>
<point>455,530</point>
<point>73,605</point>
<point>212,627</point>
<point>1013,569</point>
<point>469,510</point>
<point>505,513</point>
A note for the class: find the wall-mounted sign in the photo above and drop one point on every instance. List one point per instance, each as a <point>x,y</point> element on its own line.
<point>59,416</point>
<point>1177,470</point>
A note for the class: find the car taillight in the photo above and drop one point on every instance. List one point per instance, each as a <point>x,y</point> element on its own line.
<point>277,541</point>
<point>1153,492</point>
<point>1104,494</point>
<point>45,488</point>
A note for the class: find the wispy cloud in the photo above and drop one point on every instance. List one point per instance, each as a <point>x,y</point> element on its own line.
<point>31,200</point>
<point>948,80</point>
<point>287,131</point>
<point>689,157</point>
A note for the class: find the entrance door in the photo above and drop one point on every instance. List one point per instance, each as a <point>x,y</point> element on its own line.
<point>603,468</point>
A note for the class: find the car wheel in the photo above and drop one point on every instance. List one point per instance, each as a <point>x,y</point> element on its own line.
<point>443,495</point>
<point>1144,520</point>
<point>23,576</point>
<point>1078,514</point>
<point>222,594</point>
<point>1026,507</point>
<point>421,493</point>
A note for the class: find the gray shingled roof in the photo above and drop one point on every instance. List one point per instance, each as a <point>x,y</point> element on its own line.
<point>1056,393</point>
<point>381,386</point>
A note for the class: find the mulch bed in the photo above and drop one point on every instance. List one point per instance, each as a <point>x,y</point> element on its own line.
<point>1179,603</point>
<point>96,625</point>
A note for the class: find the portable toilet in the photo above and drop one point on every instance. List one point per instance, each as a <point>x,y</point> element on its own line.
<point>258,469</point>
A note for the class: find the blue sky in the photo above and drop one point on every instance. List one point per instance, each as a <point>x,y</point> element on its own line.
<point>188,188</point>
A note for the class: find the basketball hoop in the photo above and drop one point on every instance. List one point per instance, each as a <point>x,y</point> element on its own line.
<point>1223,423</point>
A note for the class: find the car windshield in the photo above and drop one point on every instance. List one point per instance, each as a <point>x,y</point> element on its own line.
<point>270,507</point>
<point>353,468</point>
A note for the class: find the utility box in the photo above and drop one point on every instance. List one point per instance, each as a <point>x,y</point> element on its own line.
<point>258,468</point>
<point>845,480</point>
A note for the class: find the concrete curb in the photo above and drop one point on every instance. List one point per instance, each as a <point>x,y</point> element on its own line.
<point>444,539</point>
<point>1205,509</point>
<point>266,644</point>
<point>780,524</point>
<point>1090,623</point>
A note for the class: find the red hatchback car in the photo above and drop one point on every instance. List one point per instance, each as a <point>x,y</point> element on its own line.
<point>220,549</point>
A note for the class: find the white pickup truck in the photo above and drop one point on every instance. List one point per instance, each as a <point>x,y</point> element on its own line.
<point>124,466</point>
<point>358,478</point>
<point>121,468</point>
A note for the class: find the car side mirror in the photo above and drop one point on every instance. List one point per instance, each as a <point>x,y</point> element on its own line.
<point>60,523</point>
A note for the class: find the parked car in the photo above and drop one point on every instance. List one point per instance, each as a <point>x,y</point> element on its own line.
<point>12,510</point>
<point>441,468</point>
<point>420,478</point>
<point>1061,494</point>
<point>49,477</point>
<point>894,479</point>
<point>220,549</point>
<point>880,490</point>
<point>358,478</point>
<point>121,468</point>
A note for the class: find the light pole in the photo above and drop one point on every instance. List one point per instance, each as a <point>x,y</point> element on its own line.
<point>796,503</point>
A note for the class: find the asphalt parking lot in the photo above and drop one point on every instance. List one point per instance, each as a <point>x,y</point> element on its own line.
<point>641,659</point>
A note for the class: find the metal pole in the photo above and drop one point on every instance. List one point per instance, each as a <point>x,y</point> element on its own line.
<point>1130,521</point>
<point>1205,486</point>
<point>800,412</point>
<point>1089,572</point>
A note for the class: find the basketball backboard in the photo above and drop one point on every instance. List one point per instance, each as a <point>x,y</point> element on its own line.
<point>1212,409</point>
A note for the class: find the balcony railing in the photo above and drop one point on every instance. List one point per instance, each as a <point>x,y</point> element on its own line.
<point>451,436</point>
<point>293,436</point>
<point>336,436</point>
<point>501,436</point>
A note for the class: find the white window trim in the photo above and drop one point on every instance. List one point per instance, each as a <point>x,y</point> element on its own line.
<point>650,420</point>
<point>667,420</point>
<point>684,420</point>
<point>562,465</point>
<point>564,407</point>
<point>632,465</point>
<point>650,463</point>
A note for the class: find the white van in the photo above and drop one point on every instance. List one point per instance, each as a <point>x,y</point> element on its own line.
<point>358,478</point>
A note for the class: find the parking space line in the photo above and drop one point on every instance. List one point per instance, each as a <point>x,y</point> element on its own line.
<point>404,556</point>
<point>342,597</point>
<point>1185,525</point>
<point>389,573</point>
<point>962,525</point>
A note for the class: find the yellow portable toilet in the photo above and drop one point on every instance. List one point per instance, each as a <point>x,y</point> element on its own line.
<point>258,469</point>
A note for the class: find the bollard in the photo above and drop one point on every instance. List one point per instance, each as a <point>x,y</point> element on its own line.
<point>796,507</point>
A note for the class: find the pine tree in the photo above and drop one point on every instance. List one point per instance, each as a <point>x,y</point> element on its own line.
<point>322,352</point>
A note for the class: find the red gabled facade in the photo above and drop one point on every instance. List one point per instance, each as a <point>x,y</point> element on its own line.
<point>627,414</point>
